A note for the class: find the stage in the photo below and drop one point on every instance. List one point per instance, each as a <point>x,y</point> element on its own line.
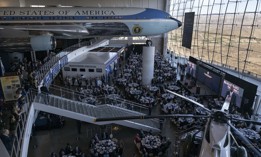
<point>196,88</point>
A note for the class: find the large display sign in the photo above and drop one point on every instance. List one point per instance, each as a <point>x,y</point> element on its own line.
<point>191,69</point>
<point>188,29</point>
<point>209,78</point>
<point>9,86</point>
<point>234,92</point>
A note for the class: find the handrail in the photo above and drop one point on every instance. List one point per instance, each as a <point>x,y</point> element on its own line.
<point>43,71</point>
<point>76,96</point>
<point>128,101</point>
<point>20,128</point>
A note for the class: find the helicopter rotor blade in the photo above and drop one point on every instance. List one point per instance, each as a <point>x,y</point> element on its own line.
<point>246,120</point>
<point>149,117</point>
<point>244,140</point>
<point>190,100</point>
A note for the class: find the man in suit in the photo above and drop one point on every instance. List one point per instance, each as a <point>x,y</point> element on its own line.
<point>191,70</point>
<point>231,95</point>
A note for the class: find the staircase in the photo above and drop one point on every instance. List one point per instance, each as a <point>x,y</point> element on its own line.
<point>88,113</point>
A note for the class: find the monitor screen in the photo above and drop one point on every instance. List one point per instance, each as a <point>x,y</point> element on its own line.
<point>229,89</point>
<point>191,69</point>
<point>209,78</point>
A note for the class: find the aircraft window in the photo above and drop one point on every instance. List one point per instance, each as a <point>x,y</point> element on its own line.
<point>91,70</point>
<point>66,69</point>
<point>74,69</point>
<point>82,70</point>
<point>99,70</point>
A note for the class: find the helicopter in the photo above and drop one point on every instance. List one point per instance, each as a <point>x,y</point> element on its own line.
<point>218,135</point>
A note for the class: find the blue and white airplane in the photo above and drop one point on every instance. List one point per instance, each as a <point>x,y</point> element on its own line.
<point>72,22</point>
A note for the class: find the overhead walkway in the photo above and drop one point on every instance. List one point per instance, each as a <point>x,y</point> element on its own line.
<point>88,113</point>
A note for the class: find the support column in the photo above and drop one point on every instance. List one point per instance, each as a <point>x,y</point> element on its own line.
<point>33,56</point>
<point>148,53</point>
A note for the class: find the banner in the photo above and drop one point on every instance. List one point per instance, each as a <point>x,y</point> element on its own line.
<point>188,29</point>
<point>9,86</point>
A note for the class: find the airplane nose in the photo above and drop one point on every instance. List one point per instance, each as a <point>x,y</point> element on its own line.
<point>179,23</point>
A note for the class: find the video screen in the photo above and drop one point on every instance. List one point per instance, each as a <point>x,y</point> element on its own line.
<point>191,69</point>
<point>209,78</point>
<point>233,91</point>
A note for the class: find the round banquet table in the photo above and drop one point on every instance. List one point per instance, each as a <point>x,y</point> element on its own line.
<point>121,81</point>
<point>167,96</point>
<point>173,88</point>
<point>105,146</point>
<point>151,142</point>
<point>113,96</point>
<point>135,92</point>
<point>133,84</point>
<point>171,106</point>
<point>110,89</point>
<point>146,100</point>
<point>127,70</point>
<point>250,134</point>
<point>154,88</point>
<point>89,100</point>
<point>127,74</point>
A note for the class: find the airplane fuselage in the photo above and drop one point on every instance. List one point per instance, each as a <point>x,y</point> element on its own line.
<point>89,21</point>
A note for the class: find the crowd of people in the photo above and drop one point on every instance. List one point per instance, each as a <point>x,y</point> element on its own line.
<point>11,112</point>
<point>105,145</point>
<point>69,151</point>
<point>125,81</point>
<point>151,145</point>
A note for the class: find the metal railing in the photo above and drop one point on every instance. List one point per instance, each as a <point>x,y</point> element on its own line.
<point>29,99</point>
<point>100,100</point>
<point>20,128</point>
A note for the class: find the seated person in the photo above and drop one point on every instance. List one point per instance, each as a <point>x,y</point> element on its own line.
<point>137,139</point>
<point>6,139</point>
<point>77,151</point>
<point>68,149</point>
<point>142,134</point>
<point>62,153</point>
<point>53,154</point>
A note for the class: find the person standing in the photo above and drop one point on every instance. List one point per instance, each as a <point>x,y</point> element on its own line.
<point>231,96</point>
<point>161,121</point>
<point>150,106</point>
